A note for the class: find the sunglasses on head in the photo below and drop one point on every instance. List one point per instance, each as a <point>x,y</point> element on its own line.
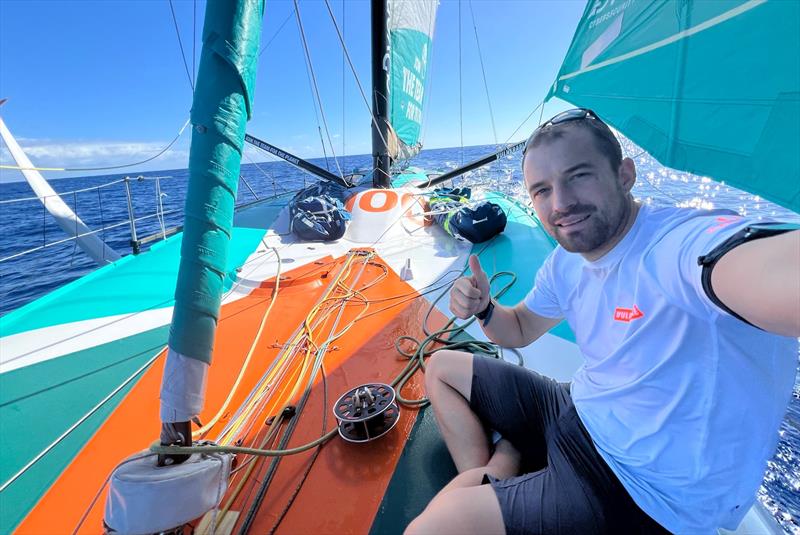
<point>575,114</point>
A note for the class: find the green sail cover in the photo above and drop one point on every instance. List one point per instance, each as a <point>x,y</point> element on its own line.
<point>410,38</point>
<point>709,87</point>
<point>220,110</point>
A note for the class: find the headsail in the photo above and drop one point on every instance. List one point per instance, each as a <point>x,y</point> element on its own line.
<point>69,222</point>
<point>410,26</point>
<point>712,88</point>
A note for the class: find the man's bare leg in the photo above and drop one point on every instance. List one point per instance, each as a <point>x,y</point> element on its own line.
<point>464,511</point>
<point>448,383</point>
<point>504,464</point>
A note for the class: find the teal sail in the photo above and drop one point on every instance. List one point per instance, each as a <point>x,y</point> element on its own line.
<point>709,87</point>
<point>410,28</point>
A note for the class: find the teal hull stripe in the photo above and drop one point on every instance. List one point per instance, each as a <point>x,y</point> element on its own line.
<point>40,402</point>
<point>424,468</point>
<point>132,284</point>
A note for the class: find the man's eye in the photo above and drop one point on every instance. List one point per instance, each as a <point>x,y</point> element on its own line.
<point>540,191</point>
<point>578,176</point>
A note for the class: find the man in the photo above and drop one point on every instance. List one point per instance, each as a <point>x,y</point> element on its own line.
<point>688,368</point>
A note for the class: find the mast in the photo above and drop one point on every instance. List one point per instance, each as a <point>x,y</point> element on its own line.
<point>380,94</point>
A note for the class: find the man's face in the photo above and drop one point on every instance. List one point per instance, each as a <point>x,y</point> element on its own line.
<point>580,200</point>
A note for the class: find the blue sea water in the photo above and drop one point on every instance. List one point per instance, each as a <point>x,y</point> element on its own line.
<point>25,225</point>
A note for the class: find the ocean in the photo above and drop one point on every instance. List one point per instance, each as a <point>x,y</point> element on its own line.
<point>25,225</point>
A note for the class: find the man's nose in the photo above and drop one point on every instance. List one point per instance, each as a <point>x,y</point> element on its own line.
<point>563,198</point>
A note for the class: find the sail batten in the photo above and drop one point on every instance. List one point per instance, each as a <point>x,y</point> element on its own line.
<point>711,88</point>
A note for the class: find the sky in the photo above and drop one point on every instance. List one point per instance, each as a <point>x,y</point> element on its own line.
<point>103,83</point>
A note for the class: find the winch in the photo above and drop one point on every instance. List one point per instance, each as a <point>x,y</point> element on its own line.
<point>366,412</point>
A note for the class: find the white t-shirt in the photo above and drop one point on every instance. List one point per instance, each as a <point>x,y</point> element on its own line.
<point>682,400</point>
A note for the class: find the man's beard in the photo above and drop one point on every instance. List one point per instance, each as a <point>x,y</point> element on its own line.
<point>601,228</point>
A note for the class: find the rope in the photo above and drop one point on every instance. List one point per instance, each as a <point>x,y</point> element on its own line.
<point>180,44</point>
<point>483,71</point>
<point>316,88</point>
<point>416,361</point>
<point>273,298</point>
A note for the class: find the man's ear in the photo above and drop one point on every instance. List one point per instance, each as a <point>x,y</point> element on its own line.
<point>627,174</point>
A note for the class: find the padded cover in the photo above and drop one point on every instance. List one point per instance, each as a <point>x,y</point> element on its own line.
<point>144,498</point>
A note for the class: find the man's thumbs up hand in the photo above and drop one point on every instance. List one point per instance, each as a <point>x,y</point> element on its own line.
<point>470,295</point>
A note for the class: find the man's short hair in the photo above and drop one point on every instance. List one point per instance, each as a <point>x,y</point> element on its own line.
<point>604,139</point>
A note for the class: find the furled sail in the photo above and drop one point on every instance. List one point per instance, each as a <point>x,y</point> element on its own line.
<point>410,27</point>
<point>712,88</point>
<point>220,110</point>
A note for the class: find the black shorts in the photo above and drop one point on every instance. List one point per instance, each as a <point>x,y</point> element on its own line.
<point>566,487</point>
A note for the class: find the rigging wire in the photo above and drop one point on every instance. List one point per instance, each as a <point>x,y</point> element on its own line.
<point>316,88</point>
<point>278,31</point>
<point>460,89</point>
<point>483,71</point>
<point>344,129</point>
<point>534,110</point>
<point>194,41</point>
<point>355,75</point>
<point>121,166</point>
<point>180,44</point>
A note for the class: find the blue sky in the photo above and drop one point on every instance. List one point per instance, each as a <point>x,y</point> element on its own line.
<point>103,83</point>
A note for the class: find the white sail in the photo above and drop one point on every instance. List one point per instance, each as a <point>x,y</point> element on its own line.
<point>69,222</point>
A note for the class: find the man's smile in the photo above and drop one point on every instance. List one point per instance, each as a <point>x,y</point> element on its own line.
<point>572,220</point>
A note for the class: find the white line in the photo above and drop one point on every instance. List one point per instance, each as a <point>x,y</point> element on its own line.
<point>747,6</point>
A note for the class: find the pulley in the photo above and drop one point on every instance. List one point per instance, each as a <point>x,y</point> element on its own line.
<point>366,412</point>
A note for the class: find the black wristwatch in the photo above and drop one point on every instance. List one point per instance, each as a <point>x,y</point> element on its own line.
<point>486,314</point>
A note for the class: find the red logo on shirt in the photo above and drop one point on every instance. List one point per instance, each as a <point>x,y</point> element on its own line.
<point>722,222</point>
<point>628,314</point>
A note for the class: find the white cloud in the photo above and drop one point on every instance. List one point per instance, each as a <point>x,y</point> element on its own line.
<point>95,152</point>
<point>85,154</point>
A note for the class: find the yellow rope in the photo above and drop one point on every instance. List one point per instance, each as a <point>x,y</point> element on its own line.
<point>304,333</point>
<point>273,298</point>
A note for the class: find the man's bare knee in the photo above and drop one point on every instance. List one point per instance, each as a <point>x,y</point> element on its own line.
<point>453,368</point>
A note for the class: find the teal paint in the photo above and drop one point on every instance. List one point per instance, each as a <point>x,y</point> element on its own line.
<point>135,283</point>
<point>220,110</point>
<point>423,469</point>
<point>39,402</point>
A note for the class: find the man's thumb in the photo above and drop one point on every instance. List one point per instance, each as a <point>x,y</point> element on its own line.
<point>475,266</point>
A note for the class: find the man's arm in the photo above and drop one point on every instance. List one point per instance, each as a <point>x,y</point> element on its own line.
<point>760,281</point>
<point>516,326</point>
<point>507,326</point>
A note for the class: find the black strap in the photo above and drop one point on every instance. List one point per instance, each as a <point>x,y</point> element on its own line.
<point>749,233</point>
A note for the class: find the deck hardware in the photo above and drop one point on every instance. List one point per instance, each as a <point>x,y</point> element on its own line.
<point>366,412</point>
